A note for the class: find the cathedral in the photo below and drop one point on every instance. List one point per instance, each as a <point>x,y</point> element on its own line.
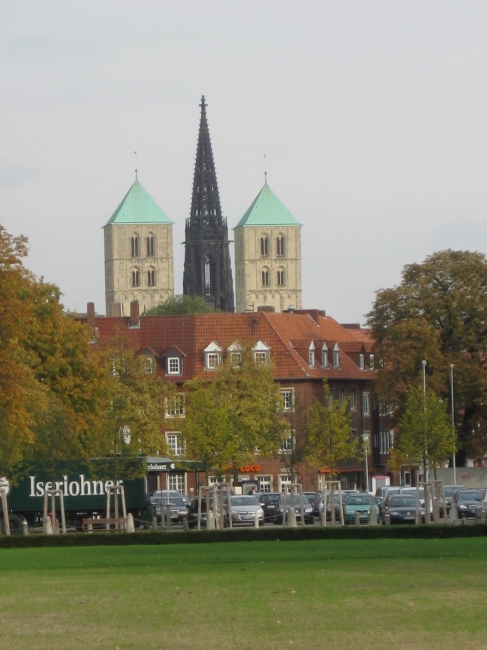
<point>139,248</point>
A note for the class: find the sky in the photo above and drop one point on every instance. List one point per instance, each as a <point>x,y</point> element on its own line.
<point>369,118</point>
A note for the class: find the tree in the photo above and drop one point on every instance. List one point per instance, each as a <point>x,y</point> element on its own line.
<point>292,446</point>
<point>180,305</point>
<point>438,314</point>
<point>328,434</point>
<point>425,433</point>
<point>135,402</point>
<point>232,415</point>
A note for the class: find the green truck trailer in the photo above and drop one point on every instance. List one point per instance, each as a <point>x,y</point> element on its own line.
<point>84,487</point>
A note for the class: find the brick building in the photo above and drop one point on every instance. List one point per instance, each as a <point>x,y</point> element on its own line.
<point>304,347</point>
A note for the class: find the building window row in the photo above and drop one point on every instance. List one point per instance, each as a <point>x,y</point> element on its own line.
<point>135,278</point>
<point>280,246</point>
<point>135,247</point>
<point>266,278</point>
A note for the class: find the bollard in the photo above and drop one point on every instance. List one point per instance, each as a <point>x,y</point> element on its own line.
<point>256,520</point>
<point>25,528</point>
<point>55,527</point>
<point>185,523</point>
<point>130,528</point>
<point>154,523</point>
<point>357,518</point>
<point>373,516</point>
<point>454,514</point>
<point>291,522</point>
<point>482,516</point>
<point>90,528</point>
<point>48,526</point>
<point>210,521</point>
<point>387,519</point>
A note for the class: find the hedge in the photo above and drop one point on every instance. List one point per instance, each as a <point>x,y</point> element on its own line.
<point>431,531</point>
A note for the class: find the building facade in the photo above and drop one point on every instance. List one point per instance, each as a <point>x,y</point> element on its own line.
<point>267,256</point>
<point>207,264</point>
<point>138,254</point>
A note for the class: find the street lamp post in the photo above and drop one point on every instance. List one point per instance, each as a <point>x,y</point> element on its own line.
<point>365,438</point>
<point>453,424</point>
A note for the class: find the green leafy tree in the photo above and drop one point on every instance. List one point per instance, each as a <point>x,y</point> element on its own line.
<point>291,451</point>
<point>425,433</point>
<point>232,415</point>
<point>328,434</point>
<point>180,305</point>
<point>438,313</point>
<point>135,401</point>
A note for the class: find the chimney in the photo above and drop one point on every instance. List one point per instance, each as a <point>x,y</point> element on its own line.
<point>290,309</point>
<point>134,313</point>
<point>90,314</point>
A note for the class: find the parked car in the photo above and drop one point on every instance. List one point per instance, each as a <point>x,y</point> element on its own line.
<point>411,491</point>
<point>178,509</point>
<point>449,491</point>
<point>467,502</point>
<point>381,495</point>
<point>244,509</point>
<point>360,503</point>
<point>187,500</point>
<point>314,500</point>
<point>401,509</point>
<point>158,494</point>
<point>193,513</point>
<point>269,503</point>
<point>336,501</point>
<point>308,510</point>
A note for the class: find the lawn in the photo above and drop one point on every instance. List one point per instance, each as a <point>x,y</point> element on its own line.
<point>333,594</point>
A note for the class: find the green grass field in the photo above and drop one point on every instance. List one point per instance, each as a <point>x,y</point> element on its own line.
<point>343,594</point>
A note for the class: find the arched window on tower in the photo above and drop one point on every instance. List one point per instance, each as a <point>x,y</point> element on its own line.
<point>136,278</point>
<point>281,278</point>
<point>266,279</point>
<point>280,246</point>
<point>134,246</point>
<point>150,245</point>
<point>151,277</point>
<point>264,246</point>
<point>207,277</point>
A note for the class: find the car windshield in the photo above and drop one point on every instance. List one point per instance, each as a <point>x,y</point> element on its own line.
<point>297,499</point>
<point>450,490</point>
<point>173,501</point>
<point>270,498</point>
<point>470,496</point>
<point>360,500</point>
<point>403,502</point>
<point>244,501</point>
<point>412,492</point>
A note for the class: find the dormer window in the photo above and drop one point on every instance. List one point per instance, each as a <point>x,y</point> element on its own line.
<point>311,355</point>
<point>324,356</point>
<point>371,362</point>
<point>261,353</point>
<point>213,356</point>
<point>361,362</point>
<point>336,356</point>
<point>173,366</point>
<point>235,352</point>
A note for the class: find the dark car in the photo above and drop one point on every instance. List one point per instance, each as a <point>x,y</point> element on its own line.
<point>360,503</point>
<point>314,499</point>
<point>467,502</point>
<point>449,491</point>
<point>401,509</point>
<point>270,505</point>
<point>178,509</point>
<point>336,501</point>
<point>308,510</point>
<point>193,513</point>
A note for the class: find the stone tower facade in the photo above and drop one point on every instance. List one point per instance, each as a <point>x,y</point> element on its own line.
<point>138,254</point>
<point>268,256</point>
<point>207,265</point>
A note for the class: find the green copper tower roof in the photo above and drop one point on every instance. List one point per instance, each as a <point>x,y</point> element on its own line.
<point>138,206</point>
<point>267,210</point>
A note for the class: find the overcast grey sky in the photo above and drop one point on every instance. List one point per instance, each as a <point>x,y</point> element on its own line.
<point>371,115</point>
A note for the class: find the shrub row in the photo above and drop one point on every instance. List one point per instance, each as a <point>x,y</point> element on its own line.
<point>244,535</point>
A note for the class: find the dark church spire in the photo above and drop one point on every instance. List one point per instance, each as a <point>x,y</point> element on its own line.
<point>207,267</point>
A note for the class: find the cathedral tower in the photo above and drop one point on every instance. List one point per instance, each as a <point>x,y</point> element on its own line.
<point>268,255</point>
<point>207,266</point>
<point>138,254</point>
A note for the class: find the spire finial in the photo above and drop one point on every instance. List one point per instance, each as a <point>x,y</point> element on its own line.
<point>265,171</point>
<point>203,104</point>
<point>135,160</point>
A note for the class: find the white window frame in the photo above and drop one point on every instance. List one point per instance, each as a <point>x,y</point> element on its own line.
<point>336,356</point>
<point>289,443</point>
<point>324,356</point>
<point>213,356</point>
<point>366,403</point>
<point>176,370</point>
<point>353,403</point>
<point>261,353</point>
<point>361,361</point>
<point>173,442</point>
<point>287,396</point>
<point>284,479</point>
<point>177,481</point>
<point>148,364</point>
<point>176,406</point>
<point>311,355</point>
<point>371,362</point>
<point>265,481</point>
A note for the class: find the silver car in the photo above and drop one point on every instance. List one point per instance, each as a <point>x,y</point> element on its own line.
<point>244,510</point>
